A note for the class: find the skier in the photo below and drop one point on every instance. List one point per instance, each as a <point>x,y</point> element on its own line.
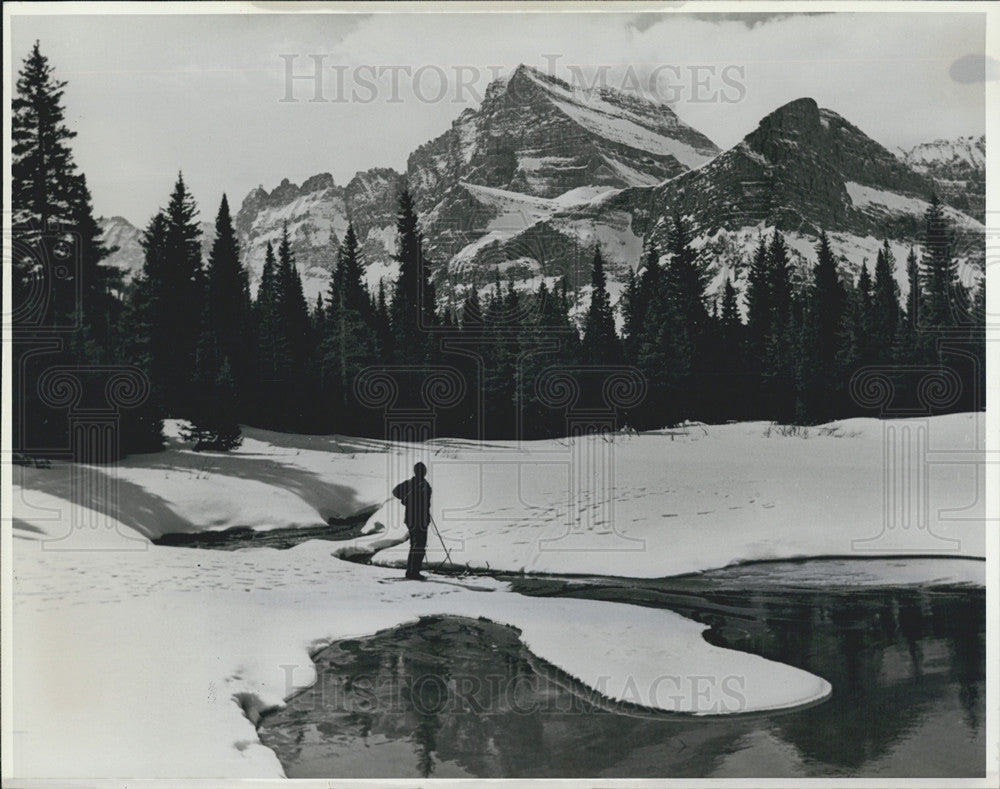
<point>415,494</point>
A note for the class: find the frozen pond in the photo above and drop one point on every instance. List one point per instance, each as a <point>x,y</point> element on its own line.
<point>449,697</point>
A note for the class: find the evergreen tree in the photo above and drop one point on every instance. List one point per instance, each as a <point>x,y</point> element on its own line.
<point>56,243</point>
<point>270,342</point>
<point>729,317</point>
<point>726,388</point>
<point>909,349</point>
<point>688,347</point>
<point>319,317</point>
<point>885,306</point>
<point>856,333</point>
<point>758,329</point>
<point>350,343</point>
<point>778,372</point>
<point>913,297</point>
<point>181,281</point>
<point>758,301</point>
<point>383,324</point>
<point>412,311</point>
<point>638,296</point>
<point>224,327</point>
<point>142,430</point>
<point>292,310</point>
<point>943,295</point>
<point>822,384</point>
<point>228,301</point>
<point>215,427</point>
<point>600,342</point>
<point>472,312</point>
<point>500,356</point>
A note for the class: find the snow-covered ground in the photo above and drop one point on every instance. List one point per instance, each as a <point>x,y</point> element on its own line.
<point>156,662</point>
<point>137,659</point>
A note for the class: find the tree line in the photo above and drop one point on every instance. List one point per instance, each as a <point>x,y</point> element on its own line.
<point>217,354</point>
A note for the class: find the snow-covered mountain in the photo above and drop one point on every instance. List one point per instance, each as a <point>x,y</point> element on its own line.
<point>803,170</point>
<point>536,134</point>
<point>124,238</point>
<point>125,241</point>
<point>527,185</point>
<point>958,168</point>
<point>317,214</point>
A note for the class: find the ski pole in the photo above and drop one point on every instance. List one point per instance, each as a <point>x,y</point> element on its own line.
<point>441,539</point>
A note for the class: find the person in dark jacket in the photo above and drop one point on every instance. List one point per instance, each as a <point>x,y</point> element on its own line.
<point>415,494</point>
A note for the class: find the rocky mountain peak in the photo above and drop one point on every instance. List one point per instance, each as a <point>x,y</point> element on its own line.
<point>317,183</point>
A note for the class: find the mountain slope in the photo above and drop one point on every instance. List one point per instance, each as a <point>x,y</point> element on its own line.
<point>536,134</point>
<point>803,170</point>
<point>958,169</point>
<point>317,214</point>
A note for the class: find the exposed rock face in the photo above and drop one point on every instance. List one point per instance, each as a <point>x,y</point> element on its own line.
<point>795,172</point>
<point>527,185</point>
<point>802,171</point>
<point>535,134</point>
<point>126,240</point>
<point>958,169</point>
<point>317,214</point>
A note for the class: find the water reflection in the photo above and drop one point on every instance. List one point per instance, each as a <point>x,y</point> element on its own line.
<point>450,697</point>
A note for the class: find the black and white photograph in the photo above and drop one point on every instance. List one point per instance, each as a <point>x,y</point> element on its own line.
<point>572,394</point>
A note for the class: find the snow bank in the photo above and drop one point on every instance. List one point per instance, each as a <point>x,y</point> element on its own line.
<point>150,662</point>
<point>147,660</point>
<point>656,504</point>
<point>274,480</point>
<point>679,501</point>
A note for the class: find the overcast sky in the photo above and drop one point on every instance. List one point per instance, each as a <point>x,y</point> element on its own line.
<point>151,95</point>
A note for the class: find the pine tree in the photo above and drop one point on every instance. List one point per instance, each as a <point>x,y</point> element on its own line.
<point>729,317</point>
<point>822,384</point>
<point>471,315</point>
<point>270,342</point>
<point>641,291</point>
<point>413,304</point>
<point>216,404</point>
<point>175,334</point>
<point>778,372</point>
<point>909,348</point>
<point>228,300</point>
<point>727,388</point>
<point>758,301</point>
<point>499,360</point>
<point>56,242</point>
<point>759,320</point>
<point>383,325</point>
<point>885,306</point>
<point>350,342</point>
<point>689,341</point>
<point>142,430</point>
<point>292,310</point>
<point>913,297</point>
<point>856,332</point>
<point>943,295</point>
<point>600,342</point>
<point>214,426</point>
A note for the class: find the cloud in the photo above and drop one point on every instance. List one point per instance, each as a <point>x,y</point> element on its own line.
<point>971,69</point>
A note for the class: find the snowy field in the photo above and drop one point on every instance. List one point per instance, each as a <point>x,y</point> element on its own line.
<point>137,659</point>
